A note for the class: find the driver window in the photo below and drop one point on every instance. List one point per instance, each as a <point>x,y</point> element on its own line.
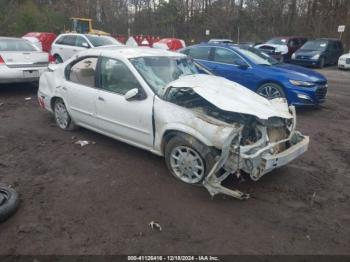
<point>226,56</point>
<point>83,72</point>
<point>116,77</point>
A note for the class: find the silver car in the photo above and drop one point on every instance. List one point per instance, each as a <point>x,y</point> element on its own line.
<point>21,61</point>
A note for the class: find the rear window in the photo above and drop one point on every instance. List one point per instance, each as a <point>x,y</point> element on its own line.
<point>15,45</point>
<point>102,40</point>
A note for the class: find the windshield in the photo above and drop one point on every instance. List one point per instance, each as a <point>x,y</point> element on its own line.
<point>318,45</point>
<point>277,41</point>
<point>258,57</point>
<point>102,40</point>
<point>161,70</point>
<point>14,45</point>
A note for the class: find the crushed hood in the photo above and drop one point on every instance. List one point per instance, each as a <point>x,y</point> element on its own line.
<point>232,97</point>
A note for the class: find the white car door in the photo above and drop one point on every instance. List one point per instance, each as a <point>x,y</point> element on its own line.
<point>67,47</point>
<point>128,120</point>
<point>80,92</point>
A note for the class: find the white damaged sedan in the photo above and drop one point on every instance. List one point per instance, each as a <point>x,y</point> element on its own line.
<point>205,126</point>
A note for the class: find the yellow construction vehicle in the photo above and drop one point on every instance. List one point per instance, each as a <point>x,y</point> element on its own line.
<point>84,26</point>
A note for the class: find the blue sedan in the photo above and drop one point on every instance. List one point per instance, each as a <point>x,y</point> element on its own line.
<point>261,73</point>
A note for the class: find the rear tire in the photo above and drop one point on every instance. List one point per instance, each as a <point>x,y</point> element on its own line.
<point>8,202</point>
<point>188,159</point>
<point>62,117</point>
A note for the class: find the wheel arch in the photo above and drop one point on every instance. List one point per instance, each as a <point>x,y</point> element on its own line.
<point>170,133</point>
<point>269,80</point>
<point>54,98</point>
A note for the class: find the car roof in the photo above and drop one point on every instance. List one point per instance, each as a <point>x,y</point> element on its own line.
<point>217,44</point>
<point>328,39</point>
<point>220,39</point>
<point>10,38</point>
<point>130,52</point>
<point>81,34</point>
<point>288,37</point>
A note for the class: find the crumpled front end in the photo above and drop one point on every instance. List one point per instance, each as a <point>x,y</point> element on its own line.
<point>272,144</point>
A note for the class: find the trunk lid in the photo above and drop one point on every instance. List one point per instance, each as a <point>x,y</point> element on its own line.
<point>25,59</point>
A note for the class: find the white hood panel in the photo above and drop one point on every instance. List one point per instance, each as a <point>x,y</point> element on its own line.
<point>232,97</point>
<point>278,48</point>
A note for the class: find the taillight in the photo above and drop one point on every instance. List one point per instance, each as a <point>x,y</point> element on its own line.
<point>1,60</point>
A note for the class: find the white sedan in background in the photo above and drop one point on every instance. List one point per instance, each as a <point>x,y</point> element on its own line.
<point>21,61</point>
<point>67,45</point>
<point>344,61</point>
<point>205,126</point>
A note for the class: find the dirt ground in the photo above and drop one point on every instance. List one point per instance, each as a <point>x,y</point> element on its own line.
<point>99,199</point>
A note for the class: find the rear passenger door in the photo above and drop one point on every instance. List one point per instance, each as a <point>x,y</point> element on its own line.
<point>67,47</point>
<point>79,90</point>
<point>127,120</point>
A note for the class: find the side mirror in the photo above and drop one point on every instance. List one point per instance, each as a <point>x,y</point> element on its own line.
<point>241,64</point>
<point>86,45</point>
<point>131,94</point>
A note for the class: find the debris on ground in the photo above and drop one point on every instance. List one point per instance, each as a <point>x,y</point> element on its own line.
<point>313,199</point>
<point>155,225</point>
<point>83,143</point>
<point>1,104</point>
<point>27,98</point>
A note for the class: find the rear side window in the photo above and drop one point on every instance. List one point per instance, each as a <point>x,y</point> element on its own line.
<point>199,52</point>
<point>83,72</point>
<point>116,77</point>
<point>60,40</point>
<point>67,40</point>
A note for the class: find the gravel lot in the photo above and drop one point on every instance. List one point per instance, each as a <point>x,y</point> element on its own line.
<point>99,199</point>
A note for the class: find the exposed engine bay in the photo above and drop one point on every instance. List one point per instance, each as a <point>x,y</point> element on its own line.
<point>255,146</point>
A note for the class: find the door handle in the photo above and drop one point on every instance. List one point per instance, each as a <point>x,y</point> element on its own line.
<point>101,99</point>
<point>64,88</point>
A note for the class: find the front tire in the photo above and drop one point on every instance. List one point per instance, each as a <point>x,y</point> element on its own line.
<point>188,160</point>
<point>62,117</point>
<point>271,91</point>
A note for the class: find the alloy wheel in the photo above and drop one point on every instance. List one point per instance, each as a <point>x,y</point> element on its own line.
<point>187,164</point>
<point>270,92</point>
<point>61,115</point>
